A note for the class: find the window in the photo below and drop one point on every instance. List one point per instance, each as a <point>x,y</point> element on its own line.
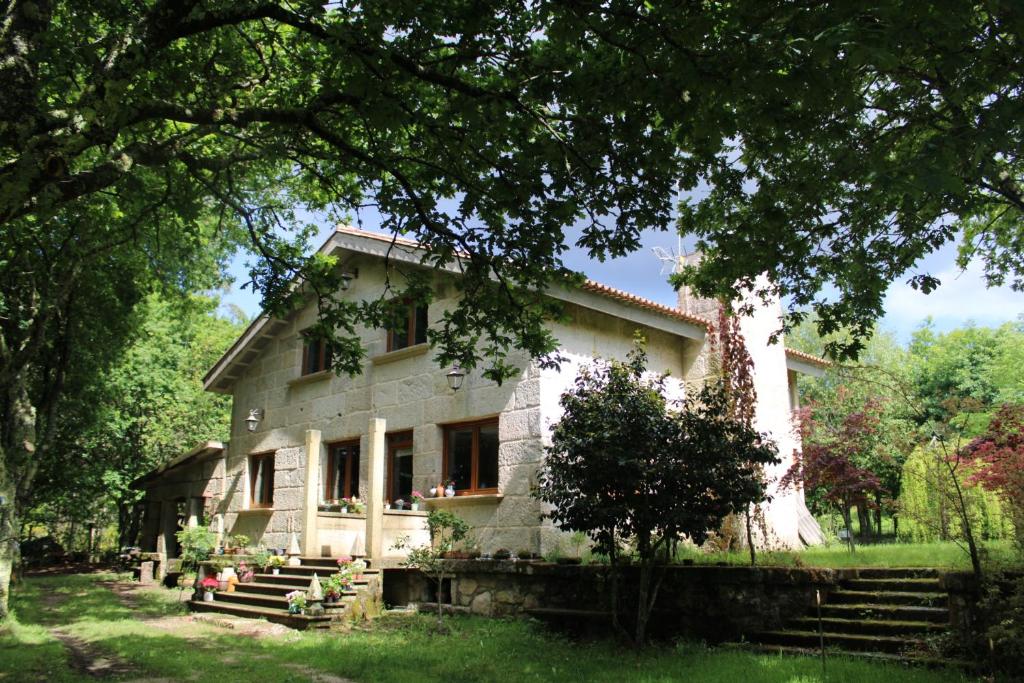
<point>399,484</point>
<point>414,332</point>
<point>471,456</point>
<point>261,480</point>
<point>342,471</point>
<point>316,356</point>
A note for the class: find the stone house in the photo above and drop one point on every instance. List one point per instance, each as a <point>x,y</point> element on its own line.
<point>302,437</point>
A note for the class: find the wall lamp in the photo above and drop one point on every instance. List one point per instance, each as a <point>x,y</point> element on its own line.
<point>347,276</point>
<point>455,377</point>
<point>255,416</point>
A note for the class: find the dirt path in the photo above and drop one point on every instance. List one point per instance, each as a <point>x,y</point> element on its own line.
<point>84,657</point>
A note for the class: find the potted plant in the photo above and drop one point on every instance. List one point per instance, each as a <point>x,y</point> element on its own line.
<point>399,504</point>
<point>187,579</point>
<point>449,490</point>
<point>275,563</point>
<point>502,554</point>
<point>357,568</point>
<point>387,504</point>
<point>296,602</point>
<point>209,585</point>
<point>333,588</point>
<point>356,506</point>
<point>417,498</point>
<point>240,541</point>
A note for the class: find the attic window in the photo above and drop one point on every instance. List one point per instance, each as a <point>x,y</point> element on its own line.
<point>414,331</point>
<point>316,356</point>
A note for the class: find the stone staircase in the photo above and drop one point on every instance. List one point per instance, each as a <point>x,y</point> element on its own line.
<point>263,597</point>
<point>883,613</point>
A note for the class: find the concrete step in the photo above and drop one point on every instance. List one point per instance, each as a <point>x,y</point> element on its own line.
<point>937,615</point>
<point>860,597</point>
<point>877,627</point>
<point>843,641</point>
<point>276,616</point>
<point>918,585</point>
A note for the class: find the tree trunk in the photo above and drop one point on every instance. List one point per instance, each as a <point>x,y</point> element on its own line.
<point>750,536</point>
<point>863,520</point>
<point>849,526</point>
<point>878,515</point>
<point>17,469</point>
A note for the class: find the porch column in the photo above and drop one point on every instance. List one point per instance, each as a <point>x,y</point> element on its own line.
<point>309,526</point>
<point>375,501</point>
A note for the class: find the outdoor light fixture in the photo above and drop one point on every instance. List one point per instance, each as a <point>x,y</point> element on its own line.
<point>347,276</point>
<point>255,415</point>
<point>455,377</point>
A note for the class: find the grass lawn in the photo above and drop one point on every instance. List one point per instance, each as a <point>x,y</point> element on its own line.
<point>151,640</point>
<point>939,554</point>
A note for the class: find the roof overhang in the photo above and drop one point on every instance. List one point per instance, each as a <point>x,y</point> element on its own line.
<point>207,450</point>
<point>806,363</point>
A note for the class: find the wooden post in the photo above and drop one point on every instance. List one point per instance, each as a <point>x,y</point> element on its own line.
<point>312,490</point>
<point>375,500</point>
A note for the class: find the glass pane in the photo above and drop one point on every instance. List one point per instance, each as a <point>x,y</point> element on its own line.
<point>261,473</point>
<point>399,339</point>
<point>312,357</point>
<point>354,472</point>
<point>460,457</point>
<point>401,470</point>
<point>487,469</point>
<point>421,325</point>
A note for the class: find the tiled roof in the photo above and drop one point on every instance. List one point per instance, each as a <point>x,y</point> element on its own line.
<point>809,357</point>
<point>589,285</point>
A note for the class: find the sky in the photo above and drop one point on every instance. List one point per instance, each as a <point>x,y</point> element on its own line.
<point>962,298</point>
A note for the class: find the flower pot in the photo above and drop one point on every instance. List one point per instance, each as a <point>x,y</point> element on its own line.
<point>450,492</point>
<point>294,609</point>
<point>433,492</point>
<point>275,571</point>
<point>414,506</point>
<point>207,596</point>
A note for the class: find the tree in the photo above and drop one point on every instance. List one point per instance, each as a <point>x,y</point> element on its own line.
<point>626,466</point>
<point>144,410</point>
<point>446,529</point>
<point>998,456</point>
<point>830,464</point>
<point>139,138</point>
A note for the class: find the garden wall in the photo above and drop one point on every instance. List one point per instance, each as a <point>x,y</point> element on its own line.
<point>708,602</point>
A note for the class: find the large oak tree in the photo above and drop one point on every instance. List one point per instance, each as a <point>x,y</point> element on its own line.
<point>819,143</point>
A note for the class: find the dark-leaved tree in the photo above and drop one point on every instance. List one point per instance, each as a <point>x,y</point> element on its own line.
<point>627,465</point>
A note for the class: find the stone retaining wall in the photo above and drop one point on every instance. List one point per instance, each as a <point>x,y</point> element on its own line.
<point>711,603</point>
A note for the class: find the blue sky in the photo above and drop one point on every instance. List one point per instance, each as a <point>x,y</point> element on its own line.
<point>962,298</point>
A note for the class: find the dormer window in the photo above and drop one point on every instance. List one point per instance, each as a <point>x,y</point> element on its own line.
<point>413,332</point>
<point>316,356</point>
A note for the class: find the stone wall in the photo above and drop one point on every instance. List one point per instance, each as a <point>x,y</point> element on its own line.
<point>712,603</point>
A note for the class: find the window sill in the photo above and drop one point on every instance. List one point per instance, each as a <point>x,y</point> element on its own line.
<point>256,511</point>
<point>346,515</point>
<point>406,512</point>
<point>311,377</point>
<point>472,499</point>
<point>407,352</point>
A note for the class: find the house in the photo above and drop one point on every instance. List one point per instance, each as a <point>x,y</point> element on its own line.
<point>302,437</point>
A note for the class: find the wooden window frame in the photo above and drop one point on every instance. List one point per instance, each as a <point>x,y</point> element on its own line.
<point>268,482</point>
<point>322,363</point>
<point>351,480</point>
<point>474,458</point>
<point>410,328</point>
<point>395,441</point>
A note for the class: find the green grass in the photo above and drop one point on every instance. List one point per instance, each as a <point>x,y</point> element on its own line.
<point>396,648</point>
<point>938,554</point>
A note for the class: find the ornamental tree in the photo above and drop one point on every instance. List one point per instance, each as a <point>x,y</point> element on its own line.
<point>446,529</point>
<point>998,460</point>
<point>832,464</point>
<point>628,466</point>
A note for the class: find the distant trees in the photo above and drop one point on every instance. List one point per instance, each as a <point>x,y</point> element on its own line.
<point>998,459</point>
<point>628,466</point>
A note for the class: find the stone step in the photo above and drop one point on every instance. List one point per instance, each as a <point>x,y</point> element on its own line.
<point>308,570</point>
<point>907,658</point>
<point>301,580</point>
<point>937,615</point>
<point>843,641</point>
<point>878,627</point>
<point>332,562</point>
<point>276,616</point>
<point>275,588</point>
<point>896,573</point>
<point>894,585</point>
<point>859,597</point>
<point>270,601</point>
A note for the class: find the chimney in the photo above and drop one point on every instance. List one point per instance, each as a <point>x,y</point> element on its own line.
<point>689,302</point>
